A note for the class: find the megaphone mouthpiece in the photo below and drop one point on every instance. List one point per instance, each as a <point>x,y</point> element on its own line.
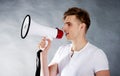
<point>59,34</point>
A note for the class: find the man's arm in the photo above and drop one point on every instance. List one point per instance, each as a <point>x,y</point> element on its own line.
<point>45,70</point>
<point>53,69</point>
<point>103,73</point>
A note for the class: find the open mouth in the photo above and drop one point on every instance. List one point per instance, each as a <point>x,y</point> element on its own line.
<point>66,34</point>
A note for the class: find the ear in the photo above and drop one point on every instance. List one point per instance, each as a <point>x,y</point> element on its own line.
<point>83,26</point>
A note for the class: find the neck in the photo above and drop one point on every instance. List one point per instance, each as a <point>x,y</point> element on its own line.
<point>78,44</point>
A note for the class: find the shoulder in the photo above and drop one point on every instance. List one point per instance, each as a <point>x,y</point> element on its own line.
<point>64,48</point>
<point>61,52</point>
<point>97,53</point>
<point>95,49</point>
<point>100,60</point>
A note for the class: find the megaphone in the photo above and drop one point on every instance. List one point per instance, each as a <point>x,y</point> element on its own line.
<point>33,28</point>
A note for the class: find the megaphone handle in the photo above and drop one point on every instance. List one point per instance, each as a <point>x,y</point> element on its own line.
<point>46,43</point>
<point>38,63</point>
<point>42,49</point>
<point>49,38</point>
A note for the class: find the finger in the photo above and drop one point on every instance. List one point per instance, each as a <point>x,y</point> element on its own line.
<point>42,43</point>
<point>49,41</point>
<point>44,38</point>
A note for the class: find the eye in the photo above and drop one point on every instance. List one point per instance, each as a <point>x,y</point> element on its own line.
<point>69,24</point>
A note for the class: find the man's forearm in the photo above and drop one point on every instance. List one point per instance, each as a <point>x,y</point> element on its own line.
<point>44,64</point>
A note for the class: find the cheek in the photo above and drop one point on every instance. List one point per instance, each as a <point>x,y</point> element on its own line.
<point>75,29</point>
<point>75,32</point>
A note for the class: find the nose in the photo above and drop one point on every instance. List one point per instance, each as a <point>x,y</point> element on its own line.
<point>64,28</point>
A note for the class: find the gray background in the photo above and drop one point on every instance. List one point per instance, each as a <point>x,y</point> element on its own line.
<point>18,56</point>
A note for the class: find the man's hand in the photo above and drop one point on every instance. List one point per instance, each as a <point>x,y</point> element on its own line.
<point>44,44</point>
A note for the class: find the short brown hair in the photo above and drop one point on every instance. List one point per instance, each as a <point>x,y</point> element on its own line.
<point>81,14</point>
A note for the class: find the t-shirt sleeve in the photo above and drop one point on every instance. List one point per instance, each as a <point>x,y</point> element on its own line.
<point>56,56</point>
<point>100,61</point>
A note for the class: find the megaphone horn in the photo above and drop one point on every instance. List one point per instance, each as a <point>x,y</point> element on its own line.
<point>31,27</point>
<point>25,26</point>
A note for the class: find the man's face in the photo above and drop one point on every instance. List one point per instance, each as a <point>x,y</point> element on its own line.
<point>71,27</point>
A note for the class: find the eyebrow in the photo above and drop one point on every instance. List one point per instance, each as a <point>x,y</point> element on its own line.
<point>67,23</point>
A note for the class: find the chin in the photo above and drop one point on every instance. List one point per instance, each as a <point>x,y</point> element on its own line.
<point>68,38</point>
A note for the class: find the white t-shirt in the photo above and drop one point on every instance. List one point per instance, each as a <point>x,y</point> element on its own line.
<point>86,62</point>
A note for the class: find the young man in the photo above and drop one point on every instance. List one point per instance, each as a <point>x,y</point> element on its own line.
<point>80,58</point>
